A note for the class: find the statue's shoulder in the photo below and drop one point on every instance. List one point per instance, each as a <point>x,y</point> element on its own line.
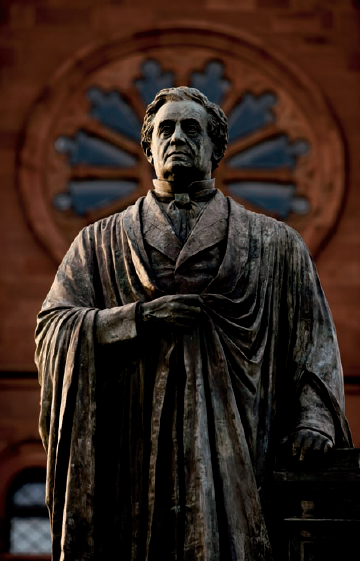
<point>113,221</point>
<point>108,222</point>
<point>268,228</point>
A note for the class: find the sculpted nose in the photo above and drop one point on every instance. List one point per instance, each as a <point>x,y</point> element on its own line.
<point>178,136</point>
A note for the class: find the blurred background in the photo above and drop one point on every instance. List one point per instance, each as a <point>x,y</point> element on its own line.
<point>75,78</point>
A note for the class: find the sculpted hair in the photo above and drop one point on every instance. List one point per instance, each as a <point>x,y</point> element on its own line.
<point>217,121</point>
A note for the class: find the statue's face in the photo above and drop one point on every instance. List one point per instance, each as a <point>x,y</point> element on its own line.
<point>181,147</point>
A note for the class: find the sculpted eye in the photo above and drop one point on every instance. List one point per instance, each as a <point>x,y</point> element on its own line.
<point>192,129</point>
<point>166,130</point>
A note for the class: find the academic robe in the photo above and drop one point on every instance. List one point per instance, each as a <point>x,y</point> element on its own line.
<point>161,441</point>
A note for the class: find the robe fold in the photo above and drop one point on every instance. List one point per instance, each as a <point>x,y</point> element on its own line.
<point>161,442</point>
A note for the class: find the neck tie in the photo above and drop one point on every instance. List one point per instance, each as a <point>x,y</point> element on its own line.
<point>178,214</point>
<point>182,206</point>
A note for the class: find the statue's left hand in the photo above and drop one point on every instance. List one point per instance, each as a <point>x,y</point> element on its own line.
<point>309,443</point>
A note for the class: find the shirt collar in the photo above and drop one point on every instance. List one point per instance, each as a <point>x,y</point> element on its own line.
<point>163,187</point>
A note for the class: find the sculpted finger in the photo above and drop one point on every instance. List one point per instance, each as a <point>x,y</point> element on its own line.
<point>318,444</point>
<point>184,310</point>
<point>306,446</point>
<point>189,299</point>
<point>328,445</point>
<point>296,445</point>
<point>181,316</point>
<point>187,316</point>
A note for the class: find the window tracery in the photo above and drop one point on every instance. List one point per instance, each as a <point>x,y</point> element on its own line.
<point>28,520</point>
<point>284,156</point>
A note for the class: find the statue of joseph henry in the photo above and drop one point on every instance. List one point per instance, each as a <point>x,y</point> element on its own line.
<point>181,341</point>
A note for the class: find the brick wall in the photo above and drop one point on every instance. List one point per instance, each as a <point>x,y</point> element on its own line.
<point>39,36</point>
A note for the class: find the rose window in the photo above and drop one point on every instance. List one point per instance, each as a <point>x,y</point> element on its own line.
<point>283,156</point>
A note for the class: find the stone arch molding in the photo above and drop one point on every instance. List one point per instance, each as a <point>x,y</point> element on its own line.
<point>81,160</point>
<point>22,456</point>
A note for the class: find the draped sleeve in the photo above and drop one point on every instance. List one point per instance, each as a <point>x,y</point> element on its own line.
<point>314,365</point>
<point>67,333</point>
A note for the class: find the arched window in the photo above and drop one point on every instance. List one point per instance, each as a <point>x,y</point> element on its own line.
<point>81,158</point>
<point>28,529</point>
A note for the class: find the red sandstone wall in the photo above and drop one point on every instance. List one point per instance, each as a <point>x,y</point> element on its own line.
<point>38,36</point>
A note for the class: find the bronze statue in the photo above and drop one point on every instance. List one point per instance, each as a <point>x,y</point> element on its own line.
<point>182,340</point>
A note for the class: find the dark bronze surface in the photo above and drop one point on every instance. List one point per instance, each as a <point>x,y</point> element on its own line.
<point>182,343</point>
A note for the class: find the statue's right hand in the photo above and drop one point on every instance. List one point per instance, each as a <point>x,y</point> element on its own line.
<point>180,310</point>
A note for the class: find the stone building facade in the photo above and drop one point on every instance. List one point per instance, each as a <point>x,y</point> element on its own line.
<point>74,80</point>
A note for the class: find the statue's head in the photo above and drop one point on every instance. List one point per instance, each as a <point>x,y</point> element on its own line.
<point>184,135</point>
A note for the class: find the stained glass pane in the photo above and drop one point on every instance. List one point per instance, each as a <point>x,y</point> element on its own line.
<point>251,114</point>
<point>30,494</point>
<point>275,153</point>
<point>153,80</point>
<point>84,196</point>
<point>30,535</point>
<point>211,81</point>
<point>273,197</point>
<point>114,112</point>
<point>85,149</point>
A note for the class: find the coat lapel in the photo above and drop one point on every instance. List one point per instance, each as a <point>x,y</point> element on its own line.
<point>157,229</point>
<point>236,255</point>
<point>210,228</point>
<point>221,218</point>
<point>130,235</point>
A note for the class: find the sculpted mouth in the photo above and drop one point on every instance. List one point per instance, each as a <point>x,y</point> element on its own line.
<point>178,153</point>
